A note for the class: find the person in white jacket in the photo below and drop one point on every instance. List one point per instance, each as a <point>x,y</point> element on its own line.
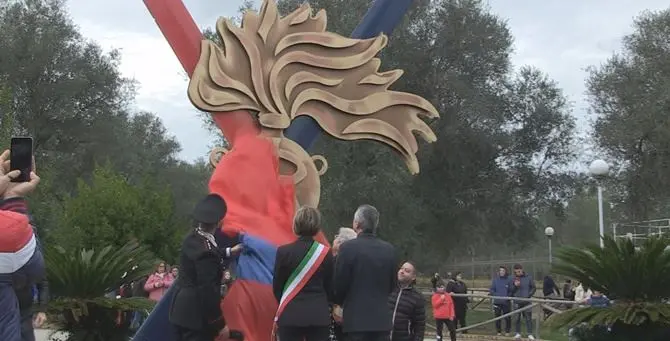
<point>581,294</point>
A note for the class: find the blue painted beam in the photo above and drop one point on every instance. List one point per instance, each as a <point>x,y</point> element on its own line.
<point>382,17</point>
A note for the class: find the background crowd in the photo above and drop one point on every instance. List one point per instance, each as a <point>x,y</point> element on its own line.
<point>153,286</point>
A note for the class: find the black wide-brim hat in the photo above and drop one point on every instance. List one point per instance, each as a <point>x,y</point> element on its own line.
<point>210,210</point>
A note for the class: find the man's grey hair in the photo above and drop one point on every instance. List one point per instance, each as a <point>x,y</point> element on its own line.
<point>367,218</point>
<point>345,234</point>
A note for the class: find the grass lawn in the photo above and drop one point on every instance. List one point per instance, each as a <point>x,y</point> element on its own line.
<point>476,316</point>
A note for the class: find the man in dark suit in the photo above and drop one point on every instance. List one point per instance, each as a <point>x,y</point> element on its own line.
<point>365,275</point>
<point>194,311</point>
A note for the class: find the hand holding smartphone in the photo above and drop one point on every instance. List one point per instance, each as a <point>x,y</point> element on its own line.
<point>17,169</point>
<point>21,158</point>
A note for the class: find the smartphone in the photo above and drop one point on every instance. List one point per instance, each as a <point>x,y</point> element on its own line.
<point>21,157</point>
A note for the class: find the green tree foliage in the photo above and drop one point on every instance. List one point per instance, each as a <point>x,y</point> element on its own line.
<point>188,184</point>
<point>577,222</point>
<point>111,211</point>
<point>70,96</point>
<point>630,97</point>
<point>65,90</point>
<point>639,310</point>
<point>6,118</point>
<point>504,137</point>
<point>78,280</point>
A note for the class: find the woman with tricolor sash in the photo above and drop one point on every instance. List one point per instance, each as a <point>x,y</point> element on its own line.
<point>302,282</point>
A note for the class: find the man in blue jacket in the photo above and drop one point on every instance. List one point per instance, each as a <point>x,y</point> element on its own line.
<point>523,286</point>
<point>501,286</point>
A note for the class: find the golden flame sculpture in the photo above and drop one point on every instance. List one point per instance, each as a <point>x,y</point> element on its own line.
<point>282,68</point>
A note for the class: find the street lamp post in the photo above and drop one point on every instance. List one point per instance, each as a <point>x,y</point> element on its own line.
<point>549,232</point>
<point>599,169</point>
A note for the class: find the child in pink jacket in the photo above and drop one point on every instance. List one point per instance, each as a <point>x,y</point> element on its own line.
<point>158,283</point>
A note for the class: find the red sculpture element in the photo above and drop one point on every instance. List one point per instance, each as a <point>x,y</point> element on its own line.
<point>179,29</point>
<point>183,35</point>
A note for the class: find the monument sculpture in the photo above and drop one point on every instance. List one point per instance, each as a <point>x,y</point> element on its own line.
<point>267,73</point>
<point>282,68</point>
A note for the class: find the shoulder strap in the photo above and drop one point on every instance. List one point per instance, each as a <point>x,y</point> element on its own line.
<point>302,274</point>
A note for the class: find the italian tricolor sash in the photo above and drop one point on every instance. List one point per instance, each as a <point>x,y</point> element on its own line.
<point>300,276</point>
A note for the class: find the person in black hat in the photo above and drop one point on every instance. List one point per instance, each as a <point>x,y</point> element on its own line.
<point>194,310</point>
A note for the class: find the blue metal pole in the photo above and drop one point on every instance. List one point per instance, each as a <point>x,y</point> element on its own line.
<point>382,17</point>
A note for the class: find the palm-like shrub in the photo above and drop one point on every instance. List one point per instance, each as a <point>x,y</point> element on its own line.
<point>638,280</point>
<point>79,280</point>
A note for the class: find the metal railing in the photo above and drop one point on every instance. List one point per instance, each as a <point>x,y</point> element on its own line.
<point>543,303</point>
<point>641,230</point>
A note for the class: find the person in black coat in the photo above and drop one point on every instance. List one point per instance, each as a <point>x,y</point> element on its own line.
<point>408,307</point>
<point>435,281</point>
<point>549,287</point>
<point>549,290</point>
<point>307,315</point>
<point>32,315</point>
<point>194,310</point>
<point>457,286</point>
<point>365,274</point>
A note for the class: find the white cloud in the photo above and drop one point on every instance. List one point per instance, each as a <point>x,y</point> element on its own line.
<point>562,38</point>
<point>146,57</point>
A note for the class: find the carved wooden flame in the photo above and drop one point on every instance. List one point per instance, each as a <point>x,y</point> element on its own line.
<point>286,67</point>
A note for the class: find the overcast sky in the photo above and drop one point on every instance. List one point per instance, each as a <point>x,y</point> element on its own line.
<point>561,37</point>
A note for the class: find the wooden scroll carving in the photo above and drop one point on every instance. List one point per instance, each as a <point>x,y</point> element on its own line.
<point>281,68</point>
